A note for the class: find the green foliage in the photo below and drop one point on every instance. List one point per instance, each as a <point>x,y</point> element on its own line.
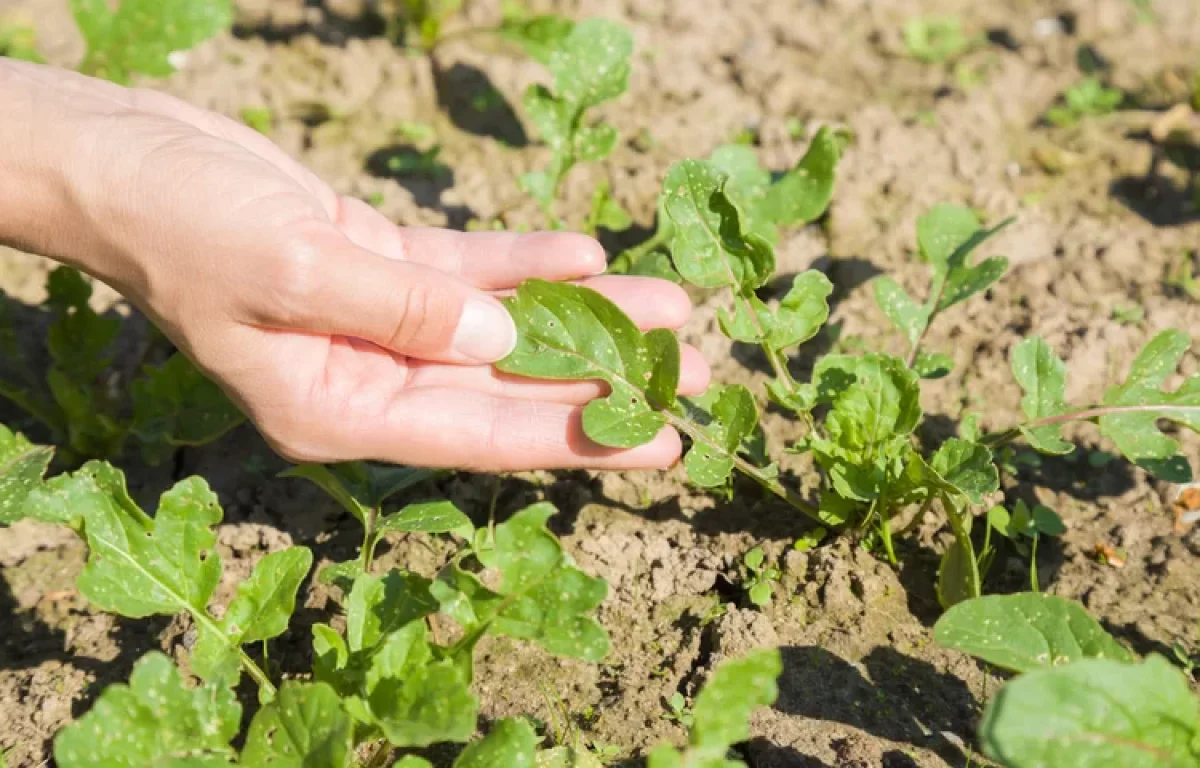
<point>1026,631</point>
<point>935,39</point>
<point>760,577</point>
<point>606,213</point>
<point>1096,712</point>
<point>19,41</point>
<point>168,406</point>
<point>538,35</point>
<point>140,36</point>
<point>261,119</point>
<point>946,238</point>
<point>306,725</point>
<point>22,466</point>
<point>1087,98</point>
<point>720,714</point>
<point>589,67</point>
<point>424,20</point>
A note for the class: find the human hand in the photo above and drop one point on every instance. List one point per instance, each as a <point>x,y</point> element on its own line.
<point>339,334</point>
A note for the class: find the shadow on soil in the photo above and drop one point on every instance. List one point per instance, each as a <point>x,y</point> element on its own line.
<point>328,28</point>
<point>893,697</point>
<point>475,105</point>
<point>1155,196</point>
<point>423,176</point>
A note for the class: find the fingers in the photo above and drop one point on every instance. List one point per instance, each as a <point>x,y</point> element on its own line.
<point>694,377</point>
<point>649,302</point>
<point>487,260</point>
<point>451,428</point>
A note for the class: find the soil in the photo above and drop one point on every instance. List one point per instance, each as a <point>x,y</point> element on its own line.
<point>1100,221</point>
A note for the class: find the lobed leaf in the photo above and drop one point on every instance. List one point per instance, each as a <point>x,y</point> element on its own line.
<point>1043,377</point>
<point>304,727</point>
<point>1027,631</point>
<point>710,246</point>
<point>967,467</point>
<point>733,417</point>
<point>260,611</point>
<point>801,313</point>
<point>1095,712</point>
<point>139,37</point>
<point>154,720</point>
<point>22,467</point>
<point>804,192</point>
<point>176,405</point>
<point>571,332</point>
<point>1140,402</point>
<point>747,185</point>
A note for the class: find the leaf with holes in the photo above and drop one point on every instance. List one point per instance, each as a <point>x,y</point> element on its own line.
<point>1025,632</point>
<point>909,317</point>
<point>305,726</point>
<point>571,332</point>
<point>967,467</point>
<point>141,36</point>
<point>1140,402</point>
<point>710,246</point>
<point>800,314</point>
<point>511,743</point>
<point>154,720</point>
<point>22,467</point>
<point>175,405</point>
<point>731,419</point>
<point>1095,712</point>
<point>1043,377</point>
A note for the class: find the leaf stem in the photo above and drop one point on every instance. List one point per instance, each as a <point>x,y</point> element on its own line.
<point>997,439</point>
<point>746,468</point>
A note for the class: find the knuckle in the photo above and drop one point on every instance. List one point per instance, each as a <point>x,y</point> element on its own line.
<point>292,279</point>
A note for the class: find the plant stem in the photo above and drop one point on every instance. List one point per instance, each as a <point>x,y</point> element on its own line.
<point>746,468</point>
<point>997,439</point>
<point>265,685</point>
<point>1033,576</point>
<point>367,555</point>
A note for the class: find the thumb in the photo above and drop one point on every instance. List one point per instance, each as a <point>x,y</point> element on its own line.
<point>339,288</point>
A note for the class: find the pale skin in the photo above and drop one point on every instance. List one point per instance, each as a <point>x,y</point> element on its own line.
<point>340,334</point>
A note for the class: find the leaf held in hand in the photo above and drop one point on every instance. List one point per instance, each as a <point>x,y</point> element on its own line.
<point>1027,631</point>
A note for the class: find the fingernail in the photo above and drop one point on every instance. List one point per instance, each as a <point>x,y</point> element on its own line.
<point>486,332</point>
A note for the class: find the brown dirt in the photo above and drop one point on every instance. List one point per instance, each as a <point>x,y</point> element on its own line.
<point>1098,226</point>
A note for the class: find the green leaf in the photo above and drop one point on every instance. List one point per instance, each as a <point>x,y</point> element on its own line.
<point>1134,430</point>
<point>140,566</point>
<point>567,757</point>
<point>945,241</point>
<point>540,595</point>
<point>429,517</point>
<point>1027,631</point>
<point>140,36</point>
<point>1047,522</point>
<point>380,605</point>
<point>909,317</point>
<point>304,727</point>
<point>260,611</point>
<point>175,405</point>
<point>747,186</point>
<point>933,365</point>
<point>539,35</point>
<point>957,575</point>
<point>1043,377</point>
<point>571,332</point>
<point>733,417</point>
<point>1099,712</point>
<point>154,720</point>
<point>360,486</point>
<point>942,231</point>
<point>760,593</point>
<point>411,761</point>
<point>709,244</point>
<point>78,340</point>
<point>722,711</point>
<point>511,743</point>
<point>22,467</point>
<point>592,65</point>
<point>802,311</point>
<point>804,192</point>
<point>968,467</point>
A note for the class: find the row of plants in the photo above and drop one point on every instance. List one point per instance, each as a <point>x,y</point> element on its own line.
<point>384,684</point>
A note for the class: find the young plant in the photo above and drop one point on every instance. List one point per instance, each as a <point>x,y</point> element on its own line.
<point>759,577</point>
<point>1087,98</point>
<point>589,67</point>
<point>423,21</point>
<point>79,399</point>
<point>1081,698</point>
<point>678,711</point>
<point>144,37</point>
<point>935,39</point>
<point>765,204</point>
<point>1023,523</point>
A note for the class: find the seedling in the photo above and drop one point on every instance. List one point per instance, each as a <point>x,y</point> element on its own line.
<point>678,711</point>
<point>759,577</point>
<point>87,407</point>
<point>422,21</point>
<point>606,213</point>
<point>1181,278</point>
<point>935,39</point>
<point>589,67</point>
<point>1023,523</point>
<point>1128,314</point>
<point>1088,98</point>
<point>811,539</point>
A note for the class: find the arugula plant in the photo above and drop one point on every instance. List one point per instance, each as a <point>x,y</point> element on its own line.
<point>142,37</point>
<point>1080,698</point>
<point>767,203</point>
<point>860,411</point>
<point>1087,98</point>
<point>83,403</point>
<point>1018,526</point>
<point>387,681</point>
<point>589,66</point>
<point>760,577</point>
